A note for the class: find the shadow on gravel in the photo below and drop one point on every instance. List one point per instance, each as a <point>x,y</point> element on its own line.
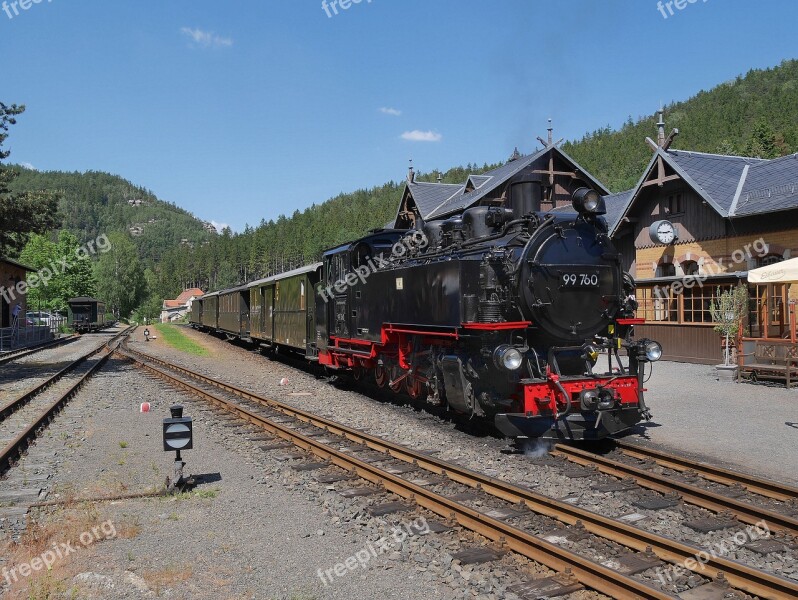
<point>204,478</point>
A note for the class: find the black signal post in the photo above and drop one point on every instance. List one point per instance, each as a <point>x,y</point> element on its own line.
<point>177,436</point>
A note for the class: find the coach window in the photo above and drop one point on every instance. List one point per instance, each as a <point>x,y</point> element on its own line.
<point>302,295</point>
<point>361,254</point>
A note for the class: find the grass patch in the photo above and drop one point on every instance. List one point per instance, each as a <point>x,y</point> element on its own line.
<point>169,576</point>
<point>203,494</point>
<point>178,340</point>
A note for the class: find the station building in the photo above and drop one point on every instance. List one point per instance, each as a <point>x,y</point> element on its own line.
<point>696,223</point>
<point>12,274</point>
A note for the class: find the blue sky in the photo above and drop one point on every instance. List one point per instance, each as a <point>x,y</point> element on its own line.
<point>239,111</point>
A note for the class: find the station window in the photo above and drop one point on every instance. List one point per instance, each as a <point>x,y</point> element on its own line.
<point>671,205</point>
<point>770,259</point>
<point>691,305</point>
<point>689,267</point>
<point>666,270</point>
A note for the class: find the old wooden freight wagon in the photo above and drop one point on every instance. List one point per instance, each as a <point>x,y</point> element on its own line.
<point>86,314</point>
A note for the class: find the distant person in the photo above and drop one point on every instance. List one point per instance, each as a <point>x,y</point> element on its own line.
<point>15,311</point>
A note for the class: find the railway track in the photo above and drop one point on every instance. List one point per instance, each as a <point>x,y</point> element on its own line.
<point>11,356</point>
<point>755,485</point>
<point>36,420</point>
<point>406,474</point>
<point>718,501</point>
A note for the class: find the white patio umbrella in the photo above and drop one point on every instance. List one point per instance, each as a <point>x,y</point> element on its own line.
<point>781,272</point>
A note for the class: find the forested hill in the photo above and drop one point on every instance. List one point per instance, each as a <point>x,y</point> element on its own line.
<point>93,203</point>
<point>753,115</point>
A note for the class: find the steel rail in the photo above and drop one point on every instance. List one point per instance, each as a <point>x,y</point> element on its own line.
<point>17,403</point>
<point>754,484</point>
<point>692,494</point>
<point>21,442</point>
<point>742,577</point>
<point>23,352</point>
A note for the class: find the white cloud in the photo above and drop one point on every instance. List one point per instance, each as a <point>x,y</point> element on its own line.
<point>422,136</point>
<point>206,39</point>
<point>394,112</point>
<point>219,226</point>
<point>28,166</point>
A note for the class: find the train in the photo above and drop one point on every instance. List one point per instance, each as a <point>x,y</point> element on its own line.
<point>503,313</point>
<point>85,315</point>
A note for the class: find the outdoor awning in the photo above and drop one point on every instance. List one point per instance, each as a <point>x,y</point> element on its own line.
<point>781,272</point>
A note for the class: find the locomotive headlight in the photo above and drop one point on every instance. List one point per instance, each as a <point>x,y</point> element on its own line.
<point>649,350</point>
<point>588,201</point>
<point>653,351</point>
<point>507,358</point>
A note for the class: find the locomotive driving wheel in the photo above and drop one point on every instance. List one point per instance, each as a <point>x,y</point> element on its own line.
<point>398,379</point>
<point>380,375</point>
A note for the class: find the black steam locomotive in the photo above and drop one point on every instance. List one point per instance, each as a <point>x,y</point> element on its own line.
<point>498,313</point>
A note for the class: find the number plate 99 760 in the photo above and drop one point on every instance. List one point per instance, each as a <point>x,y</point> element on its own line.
<point>579,279</point>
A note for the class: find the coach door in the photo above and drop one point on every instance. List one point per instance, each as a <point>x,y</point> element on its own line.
<point>267,302</point>
<point>244,311</point>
